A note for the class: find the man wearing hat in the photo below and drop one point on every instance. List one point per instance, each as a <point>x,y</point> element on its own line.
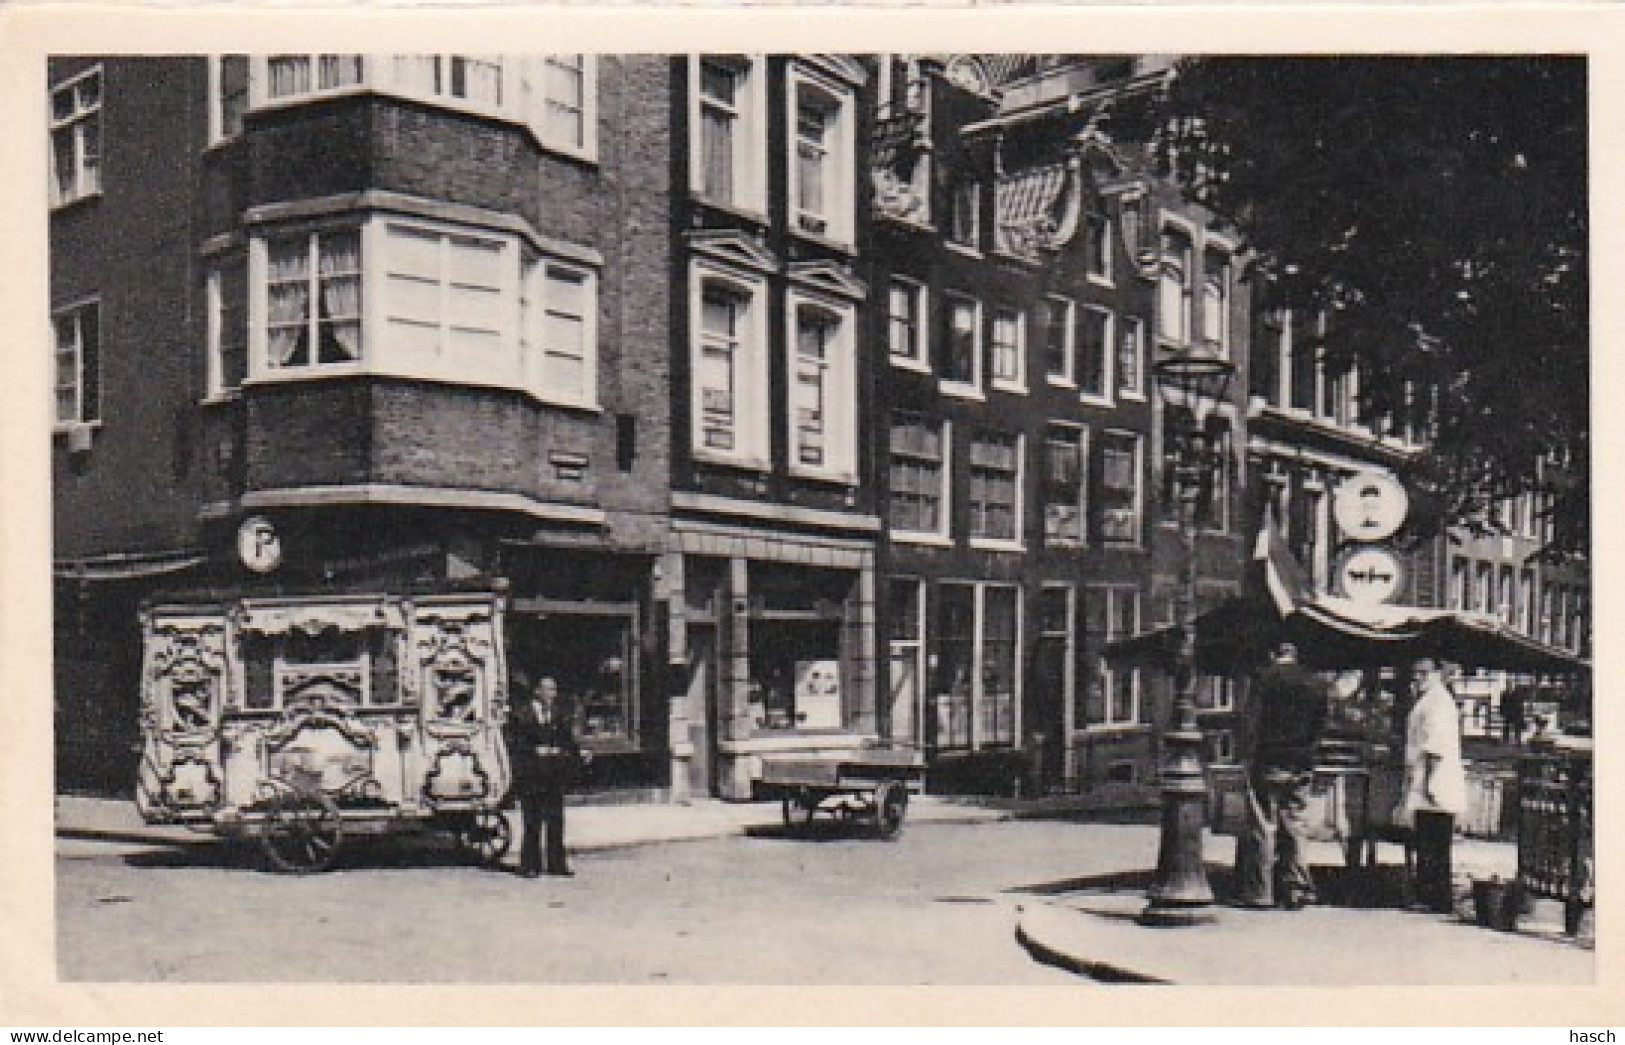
<point>1435,782</point>
<point>1290,712</point>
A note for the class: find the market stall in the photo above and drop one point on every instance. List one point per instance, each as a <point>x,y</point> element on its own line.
<point>1367,648</point>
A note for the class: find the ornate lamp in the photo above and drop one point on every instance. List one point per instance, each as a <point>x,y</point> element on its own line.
<point>1189,380</point>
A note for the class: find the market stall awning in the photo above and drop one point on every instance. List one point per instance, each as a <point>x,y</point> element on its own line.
<point>1335,633</point>
<point>1332,632</point>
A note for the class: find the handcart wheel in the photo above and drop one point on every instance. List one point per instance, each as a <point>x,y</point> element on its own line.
<point>798,812</point>
<point>485,836</point>
<point>303,831</point>
<point>891,805</point>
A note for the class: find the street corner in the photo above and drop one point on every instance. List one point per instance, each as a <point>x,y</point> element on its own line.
<point>1088,936</point>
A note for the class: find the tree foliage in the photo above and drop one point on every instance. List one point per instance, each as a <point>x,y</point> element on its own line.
<point>1435,209</point>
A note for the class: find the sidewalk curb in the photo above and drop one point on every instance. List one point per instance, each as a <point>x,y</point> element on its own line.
<point>1095,969</point>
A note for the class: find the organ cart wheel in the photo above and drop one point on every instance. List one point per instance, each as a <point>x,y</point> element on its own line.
<point>303,831</point>
<point>891,805</point>
<point>485,836</point>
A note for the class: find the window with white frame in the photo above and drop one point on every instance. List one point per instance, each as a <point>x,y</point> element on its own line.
<point>299,75</point>
<point>1484,588</point>
<point>994,501</point>
<point>918,474</point>
<point>823,390</point>
<point>443,291</point>
<point>1113,697</point>
<point>552,95</point>
<point>312,292</point>
<point>1098,247</point>
<point>962,343</point>
<point>76,350</point>
<point>422,299</point>
<point>1120,496</point>
<point>1174,287</point>
<point>1065,487</point>
<point>1216,300</point>
<point>566,99</point>
<point>1130,368</point>
<point>76,137</point>
<point>727,155</point>
<point>1095,351</point>
<point>729,372</point>
<point>1056,319</point>
<point>1009,350</point>
<point>905,323</point>
<point>1529,604</point>
<point>562,348</point>
<point>228,324</point>
<point>822,158</point>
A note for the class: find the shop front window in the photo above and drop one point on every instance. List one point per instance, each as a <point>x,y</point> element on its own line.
<point>798,648</point>
<point>593,659</point>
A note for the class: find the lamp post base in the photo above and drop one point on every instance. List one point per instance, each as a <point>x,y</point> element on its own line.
<point>1179,893</point>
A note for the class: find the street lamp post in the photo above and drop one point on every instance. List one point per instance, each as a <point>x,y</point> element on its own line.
<point>1179,893</point>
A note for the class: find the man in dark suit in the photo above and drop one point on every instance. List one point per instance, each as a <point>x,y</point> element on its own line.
<point>545,760</point>
<point>1290,713</point>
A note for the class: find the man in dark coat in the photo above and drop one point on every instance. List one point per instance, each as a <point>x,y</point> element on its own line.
<point>1289,715</point>
<point>545,760</point>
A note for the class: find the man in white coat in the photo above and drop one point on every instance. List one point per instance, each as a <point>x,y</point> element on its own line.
<point>1435,782</point>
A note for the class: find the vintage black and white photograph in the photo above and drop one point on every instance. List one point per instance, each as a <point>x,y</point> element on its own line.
<point>805,519</point>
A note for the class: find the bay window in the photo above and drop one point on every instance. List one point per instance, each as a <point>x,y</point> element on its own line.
<point>312,300</point>
<point>410,298</point>
<point>553,95</point>
<point>296,75</point>
<point>823,390</point>
<point>568,330</point>
<point>727,154</point>
<point>76,137</point>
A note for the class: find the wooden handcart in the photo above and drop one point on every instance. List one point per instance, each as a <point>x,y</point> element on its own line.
<point>868,786</point>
